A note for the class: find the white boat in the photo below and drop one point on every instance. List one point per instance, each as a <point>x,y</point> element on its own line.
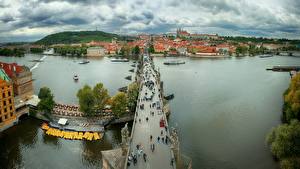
<point>84,62</point>
<point>119,60</point>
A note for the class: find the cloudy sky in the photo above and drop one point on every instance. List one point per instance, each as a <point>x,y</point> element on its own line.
<point>29,20</point>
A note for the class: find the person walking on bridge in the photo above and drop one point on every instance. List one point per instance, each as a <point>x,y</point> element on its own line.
<point>145,157</point>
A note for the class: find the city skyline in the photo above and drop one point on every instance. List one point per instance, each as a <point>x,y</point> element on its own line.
<point>31,20</point>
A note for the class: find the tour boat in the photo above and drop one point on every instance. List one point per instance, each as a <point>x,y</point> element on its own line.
<point>84,62</point>
<point>174,62</point>
<point>265,56</point>
<point>119,60</point>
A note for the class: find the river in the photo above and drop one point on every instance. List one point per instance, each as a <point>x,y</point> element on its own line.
<point>223,109</point>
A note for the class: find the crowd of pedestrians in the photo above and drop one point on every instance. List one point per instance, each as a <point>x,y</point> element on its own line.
<point>150,107</point>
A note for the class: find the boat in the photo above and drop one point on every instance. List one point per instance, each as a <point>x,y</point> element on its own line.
<point>36,60</point>
<point>119,60</point>
<point>123,89</point>
<point>75,77</point>
<point>266,56</point>
<point>131,70</point>
<point>128,77</point>
<point>174,62</point>
<point>169,97</point>
<point>84,62</point>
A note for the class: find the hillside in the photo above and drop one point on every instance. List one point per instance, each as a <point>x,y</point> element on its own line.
<point>77,37</point>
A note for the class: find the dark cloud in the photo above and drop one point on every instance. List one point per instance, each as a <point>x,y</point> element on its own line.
<point>216,6</point>
<point>148,15</point>
<point>153,16</point>
<point>6,18</point>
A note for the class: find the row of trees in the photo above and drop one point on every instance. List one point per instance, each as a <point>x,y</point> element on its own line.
<point>12,52</point>
<point>92,101</point>
<point>252,50</point>
<point>284,140</point>
<point>36,50</point>
<point>71,51</point>
<point>127,51</point>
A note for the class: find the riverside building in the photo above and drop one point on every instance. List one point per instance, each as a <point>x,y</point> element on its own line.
<point>7,107</point>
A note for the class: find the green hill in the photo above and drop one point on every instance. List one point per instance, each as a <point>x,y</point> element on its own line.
<point>77,37</point>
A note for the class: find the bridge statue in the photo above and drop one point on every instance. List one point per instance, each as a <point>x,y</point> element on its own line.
<point>175,143</point>
<point>125,135</point>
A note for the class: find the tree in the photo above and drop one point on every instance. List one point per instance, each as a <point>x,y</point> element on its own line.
<point>119,104</point>
<point>291,109</point>
<point>284,142</point>
<point>151,49</point>
<point>136,50</point>
<point>132,95</point>
<point>241,50</point>
<point>46,103</point>
<point>125,51</point>
<point>101,97</point>
<point>86,100</point>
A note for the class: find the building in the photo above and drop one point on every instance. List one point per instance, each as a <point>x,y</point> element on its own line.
<point>95,51</point>
<point>7,107</point>
<point>21,79</point>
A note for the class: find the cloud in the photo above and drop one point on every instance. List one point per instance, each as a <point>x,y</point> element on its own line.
<point>33,19</point>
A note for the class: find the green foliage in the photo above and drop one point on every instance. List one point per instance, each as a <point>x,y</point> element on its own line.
<point>92,101</point>
<point>253,50</point>
<point>151,49</point>
<point>46,103</point>
<point>12,52</point>
<point>259,40</point>
<point>132,95</point>
<point>284,142</point>
<point>86,100</point>
<point>136,50</point>
<point>241,50</point>
<point>125,51</point>
<point>291,108</point>
<point>71,51</point>
<point>77,37</point>
<point>290,163</point>
<point>101,97</point>
<point>119,104</point>
<point>36,50</point>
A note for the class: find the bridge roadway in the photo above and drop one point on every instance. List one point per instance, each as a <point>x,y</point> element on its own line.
<point>161,157</point>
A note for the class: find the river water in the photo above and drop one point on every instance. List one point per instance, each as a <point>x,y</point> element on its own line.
<point>223,109</point>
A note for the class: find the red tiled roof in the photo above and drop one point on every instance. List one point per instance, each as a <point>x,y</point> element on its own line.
<point>10,68</point>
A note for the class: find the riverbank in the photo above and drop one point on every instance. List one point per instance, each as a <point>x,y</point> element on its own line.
<point>283,139</point>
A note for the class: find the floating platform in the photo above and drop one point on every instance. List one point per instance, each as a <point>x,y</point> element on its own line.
<point>284,68</point>
<point>71,135</point>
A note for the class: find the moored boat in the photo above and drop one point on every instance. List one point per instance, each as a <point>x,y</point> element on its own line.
<point>266,56</point>
<point>174,62</point>
<point>119,60</point>
<point>84,62</point>
<point>75,77</point>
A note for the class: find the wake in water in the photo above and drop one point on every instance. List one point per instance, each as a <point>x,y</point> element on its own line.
<point>38,63</point>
